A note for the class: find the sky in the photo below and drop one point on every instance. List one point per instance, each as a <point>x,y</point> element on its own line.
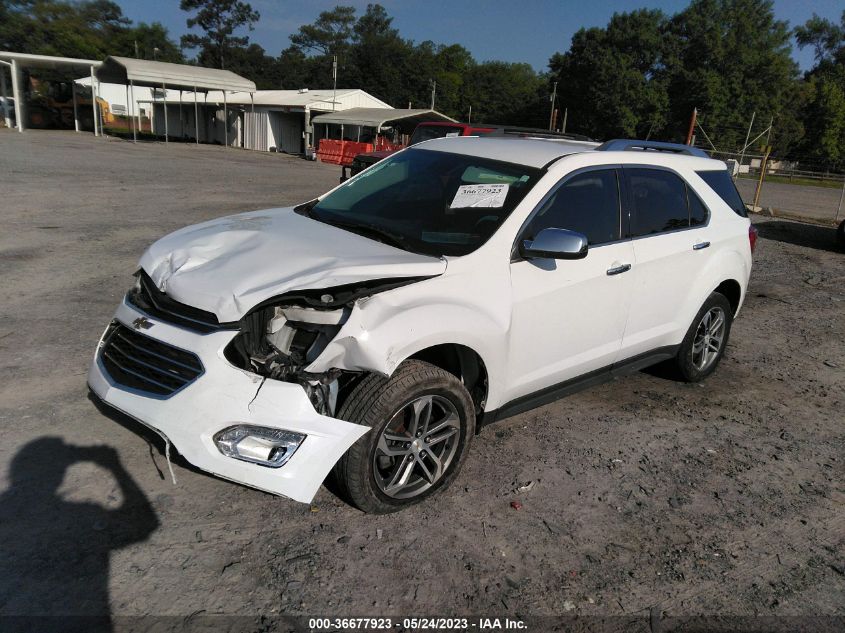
<point>524,31</point>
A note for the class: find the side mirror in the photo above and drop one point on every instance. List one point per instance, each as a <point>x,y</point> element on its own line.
<point>555,244</point>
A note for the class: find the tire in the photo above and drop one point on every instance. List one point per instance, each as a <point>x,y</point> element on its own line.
<point>371,473</point>
<point>840,233</point>
<point>688,362</point>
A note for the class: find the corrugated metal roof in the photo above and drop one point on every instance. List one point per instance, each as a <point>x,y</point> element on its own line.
<point>314,99</point>
<point>143,72</point>
<point>377,117</point>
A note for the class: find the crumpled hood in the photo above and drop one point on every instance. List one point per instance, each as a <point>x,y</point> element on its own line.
<point>229,265</point>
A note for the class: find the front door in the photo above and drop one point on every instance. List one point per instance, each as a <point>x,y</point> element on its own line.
<point>569,316</point>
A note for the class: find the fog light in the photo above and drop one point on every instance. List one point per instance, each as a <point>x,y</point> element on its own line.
<point>258,444</point>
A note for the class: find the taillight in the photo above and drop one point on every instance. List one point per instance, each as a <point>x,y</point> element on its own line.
<point>752,237</point>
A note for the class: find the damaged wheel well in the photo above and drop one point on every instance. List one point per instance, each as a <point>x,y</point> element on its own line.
<point>462,362</point>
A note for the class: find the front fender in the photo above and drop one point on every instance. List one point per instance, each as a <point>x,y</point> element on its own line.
<point>385,329</point>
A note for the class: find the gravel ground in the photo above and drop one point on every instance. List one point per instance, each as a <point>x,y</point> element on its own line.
<point>648,499</point>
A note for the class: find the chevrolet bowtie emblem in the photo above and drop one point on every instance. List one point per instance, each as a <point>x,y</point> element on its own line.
<point>142,323</point>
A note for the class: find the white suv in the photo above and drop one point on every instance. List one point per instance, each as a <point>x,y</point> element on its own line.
<point>376,329</point>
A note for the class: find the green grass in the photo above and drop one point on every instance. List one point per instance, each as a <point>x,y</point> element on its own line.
<point>828,184</point>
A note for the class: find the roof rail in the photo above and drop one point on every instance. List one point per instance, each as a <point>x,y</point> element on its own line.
<point>622,145</point>
<point>510,130</point>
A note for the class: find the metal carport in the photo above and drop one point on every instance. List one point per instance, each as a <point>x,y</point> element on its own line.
<point>152,74</point>
<point>379,117</point>
<point>18,61</point>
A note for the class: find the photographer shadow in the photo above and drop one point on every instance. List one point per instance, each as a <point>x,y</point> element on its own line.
<point>55,553</point>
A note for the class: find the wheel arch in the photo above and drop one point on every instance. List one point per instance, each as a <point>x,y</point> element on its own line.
<point>732,291</point>
<point>462,362</point>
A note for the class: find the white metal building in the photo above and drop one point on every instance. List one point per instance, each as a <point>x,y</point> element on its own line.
<point>267,120</point>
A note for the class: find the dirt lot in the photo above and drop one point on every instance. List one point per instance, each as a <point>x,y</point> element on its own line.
<point>651,499</point>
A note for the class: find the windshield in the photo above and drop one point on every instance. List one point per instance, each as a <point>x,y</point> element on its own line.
<point>429,202</point>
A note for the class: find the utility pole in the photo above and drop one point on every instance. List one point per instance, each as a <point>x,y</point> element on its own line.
<point>433,91</point>
<point>137,56</point>
<point>565,115</point>
<point>552,113</point>
<point>334,79</point>
<point>692,126</point>
<point>469,118</point>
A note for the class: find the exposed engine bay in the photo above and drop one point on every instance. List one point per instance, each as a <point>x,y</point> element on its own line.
<point>278,339</point>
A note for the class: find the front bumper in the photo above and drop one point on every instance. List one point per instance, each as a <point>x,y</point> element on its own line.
<point>224,396</point>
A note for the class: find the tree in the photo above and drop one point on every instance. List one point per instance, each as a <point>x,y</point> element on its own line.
<point>153,42</point>
<point>329,35</point>
<point>826,38</point>
<point>824,112</point>
<point>378,57</point>
<point>506,93</point>
<point>730,58</point>
<point>219,19</point>
<point>89,30</point>
<point>611,79</point>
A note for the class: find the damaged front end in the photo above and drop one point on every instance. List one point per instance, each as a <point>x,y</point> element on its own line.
<point>279,338</point>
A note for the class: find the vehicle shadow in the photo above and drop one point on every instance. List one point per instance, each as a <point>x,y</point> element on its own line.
<point>800,234</point>
<point>56,553</point>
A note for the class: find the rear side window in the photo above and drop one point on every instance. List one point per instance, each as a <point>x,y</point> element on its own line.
<point>659,200</point>
<point>721,182</point>
<point>697,210</point>
<point>587,203</point>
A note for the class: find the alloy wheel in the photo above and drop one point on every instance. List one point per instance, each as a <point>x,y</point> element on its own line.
<point>709,338</point>
<point>416,446</point>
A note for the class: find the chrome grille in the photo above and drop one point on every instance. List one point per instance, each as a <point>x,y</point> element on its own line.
<point>145,364</point>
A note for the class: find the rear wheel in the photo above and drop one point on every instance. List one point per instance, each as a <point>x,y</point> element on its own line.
<point>705,342</point>
<point>840,233</point>
<point>422,421</point>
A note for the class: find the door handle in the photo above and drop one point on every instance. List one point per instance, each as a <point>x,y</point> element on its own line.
<point>699,245</point>
<point>616,270</point>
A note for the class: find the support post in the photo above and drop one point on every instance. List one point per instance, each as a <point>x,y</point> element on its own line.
<point>692,122</point>
<point>253,143</point>
<point>94,104</point>
<point>565,115</point>
<point>225,121</point>
<point>16,94</point>
<point>181,121</point>
<point>747,136</point>
<point>164,102</point>
<point>5,95</point>
<point>75,106</point>
<point>196,119</point>
<point>136,116</point>
<point>762,175</point>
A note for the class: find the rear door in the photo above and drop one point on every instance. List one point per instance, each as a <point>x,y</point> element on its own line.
<point>669,227</point>
<point>569,315</point>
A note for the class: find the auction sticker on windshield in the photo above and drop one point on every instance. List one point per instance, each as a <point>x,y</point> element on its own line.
<point>480,196</point>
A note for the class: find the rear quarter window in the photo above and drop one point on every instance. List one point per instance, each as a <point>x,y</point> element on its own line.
<point>721,182</point>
